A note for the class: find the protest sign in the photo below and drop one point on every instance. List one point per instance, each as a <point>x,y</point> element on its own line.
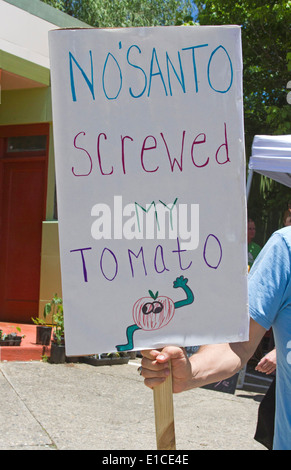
<point>150,170</point>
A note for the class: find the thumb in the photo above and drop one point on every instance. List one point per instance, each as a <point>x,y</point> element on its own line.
<point>169,353</point>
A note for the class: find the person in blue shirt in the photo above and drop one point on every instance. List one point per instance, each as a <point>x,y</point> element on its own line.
<point>269,306</point>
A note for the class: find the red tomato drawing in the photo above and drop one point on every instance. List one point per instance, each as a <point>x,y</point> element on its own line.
<point>153,313</point>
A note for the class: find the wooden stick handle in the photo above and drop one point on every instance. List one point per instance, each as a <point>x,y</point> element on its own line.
<point>164,415</point>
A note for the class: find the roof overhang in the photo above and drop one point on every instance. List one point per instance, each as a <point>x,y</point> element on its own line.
<point>24,51</point>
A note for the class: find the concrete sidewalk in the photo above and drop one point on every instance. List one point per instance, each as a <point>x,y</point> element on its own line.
<point>81,407</point>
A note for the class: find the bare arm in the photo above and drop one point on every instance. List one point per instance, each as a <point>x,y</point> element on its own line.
<point>211,364</point>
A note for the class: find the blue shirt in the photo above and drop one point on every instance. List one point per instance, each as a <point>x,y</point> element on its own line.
<point>270,306</point>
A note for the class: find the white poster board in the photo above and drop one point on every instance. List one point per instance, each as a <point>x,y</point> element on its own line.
<point>150,169</point>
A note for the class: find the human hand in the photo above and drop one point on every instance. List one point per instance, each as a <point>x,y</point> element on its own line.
<point>155,367</point>
<point>268,363</point>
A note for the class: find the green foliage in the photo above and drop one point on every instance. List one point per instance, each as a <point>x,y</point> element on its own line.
<point>38,321</point>
<point>6,336</point>
<point>50,307</point>
<point>279,119</point>
<point>55,306</point>
<point>266,42</point>
<point>121,13</point>
<point>59,325</point>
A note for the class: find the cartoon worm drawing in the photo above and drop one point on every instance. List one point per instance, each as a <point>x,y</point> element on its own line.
<point>155,312</point>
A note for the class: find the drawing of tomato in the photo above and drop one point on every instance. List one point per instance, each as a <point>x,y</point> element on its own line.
<point>154,312</point>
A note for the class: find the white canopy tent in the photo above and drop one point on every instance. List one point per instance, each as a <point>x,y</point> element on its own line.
<point>271,157</point>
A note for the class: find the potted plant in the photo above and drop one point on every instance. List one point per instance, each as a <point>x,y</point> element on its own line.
<point>58,354</point>
<point>11,339</point>
<point>43,331</point>
<point>3,339</point>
